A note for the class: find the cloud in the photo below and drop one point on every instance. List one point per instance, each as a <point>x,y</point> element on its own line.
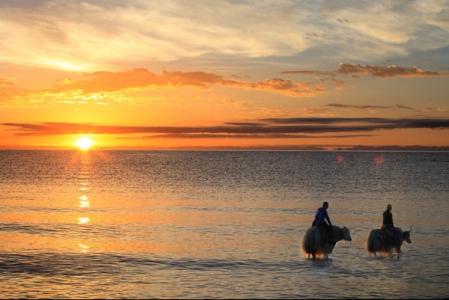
<point>324,120</point>
<point>89,35</point>
<point>94,85</point>
<point>388,71</point>
<point>310,72</point>
<point>403,107</point>
<point>287,87</point>
<point>8,89</point>
<point>376,71</point>
<point>263,128</point>
<point>114,81</point>
<point>139,78</point>
<point>364,123</point>
<point>247,136</point>
<point>98,34</point>
<point>338,105</point>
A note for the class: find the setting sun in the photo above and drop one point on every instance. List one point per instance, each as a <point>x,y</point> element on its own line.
<point>84,143</point>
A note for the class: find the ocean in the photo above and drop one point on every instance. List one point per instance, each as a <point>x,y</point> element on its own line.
<point>218,224</point>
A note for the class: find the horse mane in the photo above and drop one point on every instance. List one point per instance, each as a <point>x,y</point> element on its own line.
<point>338,231</point>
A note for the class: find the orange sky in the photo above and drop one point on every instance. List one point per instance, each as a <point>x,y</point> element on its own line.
<point>256,74</point>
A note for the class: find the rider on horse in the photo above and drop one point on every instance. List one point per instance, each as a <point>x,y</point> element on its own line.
<point>391,232</point>
<point>322,221</point>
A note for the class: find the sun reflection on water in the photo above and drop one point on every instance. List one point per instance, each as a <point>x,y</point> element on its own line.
<point>83,248</point>
<point>84,201</point>
<point>83,220</point>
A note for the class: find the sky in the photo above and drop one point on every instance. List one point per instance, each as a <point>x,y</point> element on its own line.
<point>228,74</point>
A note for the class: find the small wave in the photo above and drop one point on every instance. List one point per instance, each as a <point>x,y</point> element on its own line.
<point>72,264</point>
<point>23,228</point>
<point>62,229</point>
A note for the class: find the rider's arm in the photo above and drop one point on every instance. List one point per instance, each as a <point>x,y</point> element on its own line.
<point>326,216</point>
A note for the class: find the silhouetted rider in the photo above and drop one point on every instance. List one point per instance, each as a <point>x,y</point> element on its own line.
<point>322,220</point>
<point>388,218</point>
<point>388,226</point>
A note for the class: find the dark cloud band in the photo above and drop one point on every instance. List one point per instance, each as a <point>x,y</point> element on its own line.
<point>373,70</point>
<point>398,106</point>
<point>262,128</point>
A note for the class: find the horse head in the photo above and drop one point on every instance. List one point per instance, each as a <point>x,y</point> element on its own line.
<point>406,236</point>
<point>346,234</point>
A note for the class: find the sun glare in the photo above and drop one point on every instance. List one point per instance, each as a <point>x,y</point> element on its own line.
<point>84,143</point>
<point>63,65</point>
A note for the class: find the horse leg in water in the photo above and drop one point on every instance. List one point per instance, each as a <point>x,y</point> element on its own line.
<point>398,251</point>
<point>313,256</point>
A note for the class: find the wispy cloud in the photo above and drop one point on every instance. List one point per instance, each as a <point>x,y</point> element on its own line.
<point>8,89</point>
<point>372,70</point>
<point>89,35</point>
<point>247,136</point>
<point>139,78</point>
<point>114,81</point>
<point>386,71</point>
<point>310,72</point>
<point>262,128</point>
<point>397,106</point>
<point>103,87</point>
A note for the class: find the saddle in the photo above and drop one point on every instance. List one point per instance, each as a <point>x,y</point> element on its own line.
<point>326,237</point>
<point>390,235</point>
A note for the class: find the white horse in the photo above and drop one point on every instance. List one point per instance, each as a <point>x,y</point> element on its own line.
<point>380,241</point>
<point>317,242</point>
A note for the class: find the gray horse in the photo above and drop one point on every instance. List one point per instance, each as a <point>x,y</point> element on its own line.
<point>316,242</point>
<point>380,242</point>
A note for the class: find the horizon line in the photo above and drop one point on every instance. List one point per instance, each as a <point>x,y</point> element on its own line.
<point>244,148</point>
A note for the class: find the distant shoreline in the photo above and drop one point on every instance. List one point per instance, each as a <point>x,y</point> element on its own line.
<point>258,148</point>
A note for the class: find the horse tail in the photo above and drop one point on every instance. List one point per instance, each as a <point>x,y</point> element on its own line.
<point>311,241</point>
<point>370,242</point>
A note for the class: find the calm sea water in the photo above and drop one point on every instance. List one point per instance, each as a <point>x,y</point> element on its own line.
<point>217,224</point>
